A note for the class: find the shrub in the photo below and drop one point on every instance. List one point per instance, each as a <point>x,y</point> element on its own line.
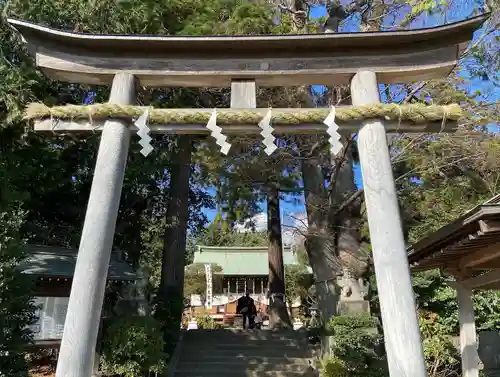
<point>167,308</point>
<point>17,311</point>
<point>133,346</point>
<point>441,356</point>
<point>205,321</point>
<point>333,367</point>
<point>355,342</point>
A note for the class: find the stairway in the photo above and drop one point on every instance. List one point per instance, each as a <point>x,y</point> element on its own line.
<point>239,353</point>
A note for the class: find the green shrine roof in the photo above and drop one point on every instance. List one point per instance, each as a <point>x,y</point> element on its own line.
<point>51,261</point>
<point>238,260</point>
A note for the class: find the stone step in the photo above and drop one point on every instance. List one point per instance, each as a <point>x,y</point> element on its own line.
<point>250,343</point>
<point>237,338</point>
<point>231,353</point>
<point>226,367</point>
<point>245,374</point>
<point>254,334</point>
<point>244,360</point>
<point>248,331</point>
<point>275,338</point>
<point>243,345</point>
<point>239,331</point>
<point>259,342</point>
<point>243,337</point>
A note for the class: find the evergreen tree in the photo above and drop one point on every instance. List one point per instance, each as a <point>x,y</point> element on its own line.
<point>16,307</point>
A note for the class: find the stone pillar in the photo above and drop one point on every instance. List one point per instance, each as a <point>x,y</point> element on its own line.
<point>488,351</point>
<point>76,357</point>
<point>397,302</point>
<point>468,342</point>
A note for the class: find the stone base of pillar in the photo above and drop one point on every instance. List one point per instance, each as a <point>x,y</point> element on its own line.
<point>353,292</point>
<point>491,372</point>
<point>95,371</point>
<point>352,307</point>
<point>488,350</point>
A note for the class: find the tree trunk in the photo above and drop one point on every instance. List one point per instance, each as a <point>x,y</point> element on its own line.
<point>333,241</point>
<point>319,242</point>
<point>345,224</point>
<point>278,314</point>
<point>170,295</point>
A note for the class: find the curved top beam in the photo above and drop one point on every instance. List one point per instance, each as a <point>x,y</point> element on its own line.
<point>272,60</point>
<point>457,32</point>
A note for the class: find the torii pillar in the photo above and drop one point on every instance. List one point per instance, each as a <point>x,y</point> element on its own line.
<point>397,303</point>
<point>76,357</point>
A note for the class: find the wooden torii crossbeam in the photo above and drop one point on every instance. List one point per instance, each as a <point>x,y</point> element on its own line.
<point>362,59</point>
<point>269,60</point>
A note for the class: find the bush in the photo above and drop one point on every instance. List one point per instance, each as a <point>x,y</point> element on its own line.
<point>133,346</point>
<point>354,322</point>
<point>17,310</point>
<point>441,356</point>
<point>168,307</point>
<point>355,342</point>
<point>333,367</point>
<point>205,321</point>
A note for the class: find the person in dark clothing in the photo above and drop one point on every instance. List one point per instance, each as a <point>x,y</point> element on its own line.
<point>245,307</point>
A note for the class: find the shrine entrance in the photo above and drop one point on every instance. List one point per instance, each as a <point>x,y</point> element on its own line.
<point>361,60</point>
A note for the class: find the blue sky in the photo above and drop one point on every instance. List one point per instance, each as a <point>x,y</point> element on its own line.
<point>464,10</point>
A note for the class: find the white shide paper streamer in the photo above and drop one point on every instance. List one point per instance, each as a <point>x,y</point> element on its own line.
<point>332,130</point>
<point>216,132</point>
<point>267,133</point>
<point>143,133</point>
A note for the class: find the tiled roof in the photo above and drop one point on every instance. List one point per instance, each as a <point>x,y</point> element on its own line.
<point>241,260</point>
<point>60,262</point>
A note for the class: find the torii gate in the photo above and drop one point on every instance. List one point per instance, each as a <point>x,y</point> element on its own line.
<point>362,59</point>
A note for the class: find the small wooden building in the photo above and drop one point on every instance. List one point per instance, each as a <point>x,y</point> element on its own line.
<point>53,268</point>
<point>469,250</point>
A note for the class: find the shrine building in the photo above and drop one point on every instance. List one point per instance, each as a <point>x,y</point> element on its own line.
<point>53,268</point>
<point>242,269</point>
